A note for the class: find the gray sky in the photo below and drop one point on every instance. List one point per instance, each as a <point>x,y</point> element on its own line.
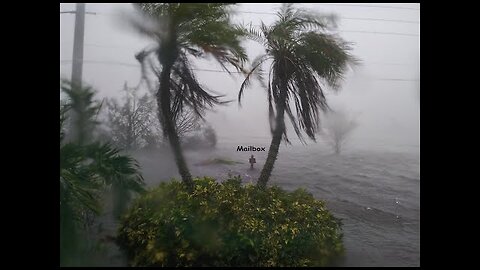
<point>384,91</point>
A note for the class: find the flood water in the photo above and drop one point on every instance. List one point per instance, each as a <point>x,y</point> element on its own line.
<point>374,190</point>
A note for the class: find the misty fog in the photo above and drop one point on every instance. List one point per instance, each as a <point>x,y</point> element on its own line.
<point>383,90</point>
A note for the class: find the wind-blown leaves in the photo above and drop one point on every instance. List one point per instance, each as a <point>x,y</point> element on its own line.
<point>186,90</point>
<point>257,71</point>
<point>306,61</point>
<point>198,30</point>
<point>86,171</point>
<point>114,168</point>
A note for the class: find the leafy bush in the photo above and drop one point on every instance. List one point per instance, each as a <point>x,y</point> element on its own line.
<point>227,224</point>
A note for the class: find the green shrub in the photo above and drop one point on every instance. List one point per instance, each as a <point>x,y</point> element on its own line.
<point>227,224</point>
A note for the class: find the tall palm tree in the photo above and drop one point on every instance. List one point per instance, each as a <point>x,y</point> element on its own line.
<point>87,168</point>
<point>305,58</point>
<point>182,31</point>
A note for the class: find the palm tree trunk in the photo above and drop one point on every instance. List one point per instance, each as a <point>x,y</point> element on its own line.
<point>279,129</point>
<point>272,156</point>
<point>274,148</point>
<point>163,101</point>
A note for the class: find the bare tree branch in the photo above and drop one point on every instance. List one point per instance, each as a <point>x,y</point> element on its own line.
<point>338,127</point>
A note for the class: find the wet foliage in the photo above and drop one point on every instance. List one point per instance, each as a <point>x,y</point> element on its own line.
<point>88,169</point>
<point>229,224</point>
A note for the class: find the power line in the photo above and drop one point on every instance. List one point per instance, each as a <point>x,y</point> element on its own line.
<point>347,18</point>
<point>374,32</point>
<point>375,19</point>
<point>392,79</point>
<point>346,31</point>
<point>271,13</point>
<point>351,5</point>
<point>199,69</point>
<point>73,12</point>
<point>391,64</point>
<point>373,6</point>
<point>381,33</point>
<point>380,79</point>
<point>137,65</point>
<point>109,46</point>
<point>102,62</point>
<point>342,17</point>
<point>367,6</point>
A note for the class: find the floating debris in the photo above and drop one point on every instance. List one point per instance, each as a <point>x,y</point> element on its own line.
<point>396,208</point>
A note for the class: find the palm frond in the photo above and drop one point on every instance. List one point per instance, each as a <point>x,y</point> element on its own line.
<point>271,98</point>
<point>114,168</point>
<point>142,58</point>
<point>153,22</point>
<point>81,192</point>
<point>254,34</point>
<point>294,122</point>
<point>188,91</point>
<point>256,64</point>
<point>64,108</point>
<point>326,54</point>
<point>208,29</point>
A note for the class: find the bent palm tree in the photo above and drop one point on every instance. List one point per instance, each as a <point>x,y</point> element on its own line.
<point>181,30</point>
<point>304,59</point>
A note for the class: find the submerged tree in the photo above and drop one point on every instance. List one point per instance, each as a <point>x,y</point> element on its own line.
<point>210,136</point>
<point>204,137</point>
<point>337,128</point>
<point>181,30</point>
<point>133,123</point>
<point>304,58</point>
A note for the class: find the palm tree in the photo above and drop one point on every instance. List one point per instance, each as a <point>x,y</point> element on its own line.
<point>85,172</point>
<point>86,169</point>
<point>304,59</point>
<point>83,110</point>
<point>182,30</point>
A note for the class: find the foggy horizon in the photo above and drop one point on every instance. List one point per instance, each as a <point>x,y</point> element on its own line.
<point>382,92</point>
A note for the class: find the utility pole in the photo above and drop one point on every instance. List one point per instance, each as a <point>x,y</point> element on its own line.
<point>78,38</point>
<point>76,133</point>
<point>78,41</point>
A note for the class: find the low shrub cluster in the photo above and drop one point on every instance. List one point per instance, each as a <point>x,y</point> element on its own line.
<point>229,224</point>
